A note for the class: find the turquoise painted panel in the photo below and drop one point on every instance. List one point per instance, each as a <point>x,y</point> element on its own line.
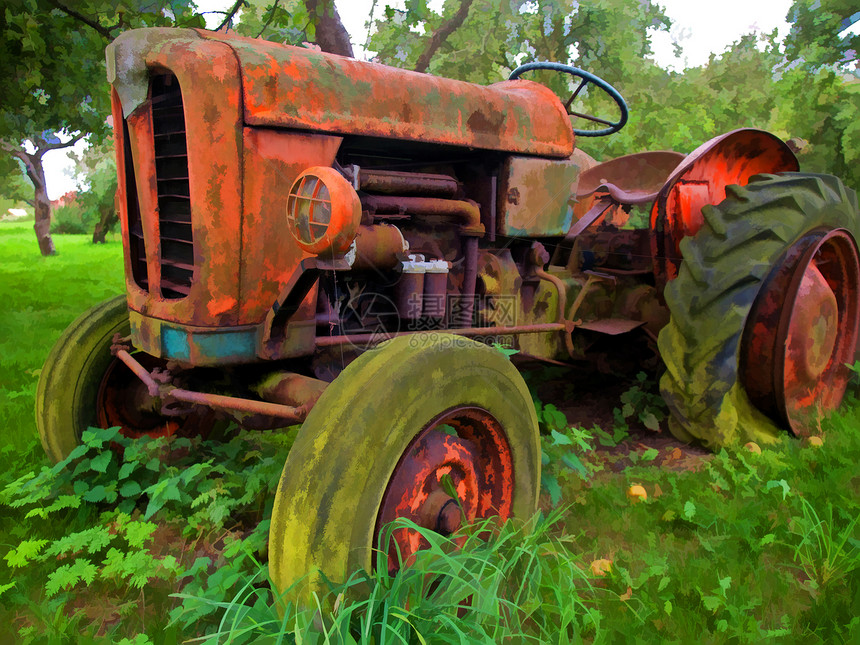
<point>231,344</point>
<point>174,344</point>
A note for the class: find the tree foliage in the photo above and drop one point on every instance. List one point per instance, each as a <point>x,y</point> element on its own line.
<point>52,74</point>
<point>52,70</point>
<point>802,90</point>
<point>13,181</point>
<point>818,34</point>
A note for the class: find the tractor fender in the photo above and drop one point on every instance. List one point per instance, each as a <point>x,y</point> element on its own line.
<point>701,179</point>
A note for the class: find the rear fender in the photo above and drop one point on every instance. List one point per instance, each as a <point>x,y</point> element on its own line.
<point>731,158</point>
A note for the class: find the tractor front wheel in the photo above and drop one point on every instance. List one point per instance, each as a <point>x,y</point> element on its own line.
<point>764,312</point>
<point>426,428</point>
<point>82,385</point>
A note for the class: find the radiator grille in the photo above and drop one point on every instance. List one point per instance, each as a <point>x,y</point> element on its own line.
<point>136,245</point>
<point>171,172</point>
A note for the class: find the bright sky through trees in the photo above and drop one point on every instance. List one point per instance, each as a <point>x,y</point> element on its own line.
<point>699,28</point>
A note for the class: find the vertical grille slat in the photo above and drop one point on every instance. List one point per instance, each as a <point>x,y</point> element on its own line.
<point>137,246</point>
<point>171,173</point>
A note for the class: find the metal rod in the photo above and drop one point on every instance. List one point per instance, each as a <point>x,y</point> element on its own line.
<point>240,405</point>
<point>494,180</point>
<point>212,400</point>
<point>328,341</point>
<point>140,371</point>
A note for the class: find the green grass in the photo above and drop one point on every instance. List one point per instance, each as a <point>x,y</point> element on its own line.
<point>40,297</point>
<point>745,548</point>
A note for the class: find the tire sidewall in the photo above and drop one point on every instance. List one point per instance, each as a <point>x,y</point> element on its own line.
<point>363,423</point>
<point>66,396</point>
<point>725,267</point>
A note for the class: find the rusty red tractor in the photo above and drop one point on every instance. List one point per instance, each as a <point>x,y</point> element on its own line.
<point>285,210</point>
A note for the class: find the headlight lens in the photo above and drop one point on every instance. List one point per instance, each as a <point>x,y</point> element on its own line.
<point>323,211</point>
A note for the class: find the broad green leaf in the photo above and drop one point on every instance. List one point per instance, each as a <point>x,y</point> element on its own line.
<point>779,484</point>
<point>101,462</point>
<point>574,463</point>
<point>130,489</point>
<point>95,494</point>
<point>650,454</point>
<point>650,421</point>
<point>559,439</point>
<point>550,484</point>
<point>689,510</point>
<point>712,603</point>
<point>126,469</point>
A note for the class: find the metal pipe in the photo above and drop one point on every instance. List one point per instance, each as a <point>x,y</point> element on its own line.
<point>470,278</point>
<point>140,371</point>
<point>467,211</point>
<point>562,304</point>
<point>357,339</point>
<point>494,181</point>
<point>233,403</point>
<point>398,183</point>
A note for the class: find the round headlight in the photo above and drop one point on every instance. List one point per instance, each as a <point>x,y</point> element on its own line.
<point>323,211</point>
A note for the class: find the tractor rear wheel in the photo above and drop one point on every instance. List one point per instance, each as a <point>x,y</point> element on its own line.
<point>83,385</point>
<point>378,445</point>
<point>764,312</point>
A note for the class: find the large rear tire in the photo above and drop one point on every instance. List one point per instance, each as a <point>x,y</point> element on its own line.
<point>377,445</point>
<point>737,310</point>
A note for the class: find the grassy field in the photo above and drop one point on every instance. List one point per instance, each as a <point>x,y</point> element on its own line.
<point>40,297</point>
<point>731,548</point>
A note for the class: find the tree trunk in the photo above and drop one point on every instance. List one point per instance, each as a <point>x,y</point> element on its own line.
<point>108,218</point>
<point>441,34</point>
<point>36,174</point>
<point>331,35</point>
<point>42,206</point>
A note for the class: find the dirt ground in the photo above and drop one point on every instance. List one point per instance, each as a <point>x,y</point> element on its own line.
<point>588,397</point>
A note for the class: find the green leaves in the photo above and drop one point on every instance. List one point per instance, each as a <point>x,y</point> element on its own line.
<point>782,484</point>
<point>138,567</point>
<point>199,487</point>
<point>92,541</point>
<point>507,351</point>
<point>26,551</point>
<point>68,575</point>
<point>558,455</point>
<point>642,402</point>
<point>689,510</point>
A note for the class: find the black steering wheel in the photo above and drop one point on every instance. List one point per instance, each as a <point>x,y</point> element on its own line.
<point>587,78</point>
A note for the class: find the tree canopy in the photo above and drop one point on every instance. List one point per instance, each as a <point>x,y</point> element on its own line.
<point>52,67</point>
<point>802,90</point>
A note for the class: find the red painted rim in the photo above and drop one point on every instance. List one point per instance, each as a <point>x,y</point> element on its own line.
<point>803,330</point>
<point>470,446</point>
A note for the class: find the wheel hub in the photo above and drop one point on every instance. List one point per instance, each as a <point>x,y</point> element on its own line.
<point>802,330</point>
<point>813,328</point>
<point>456,470</point>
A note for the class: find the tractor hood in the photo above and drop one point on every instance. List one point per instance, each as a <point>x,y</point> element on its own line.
<point>298,88</point>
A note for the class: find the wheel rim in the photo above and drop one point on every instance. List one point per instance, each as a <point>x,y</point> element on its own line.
<point>802,331</point>
<point>468,445</point>
<point>124,401</point>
